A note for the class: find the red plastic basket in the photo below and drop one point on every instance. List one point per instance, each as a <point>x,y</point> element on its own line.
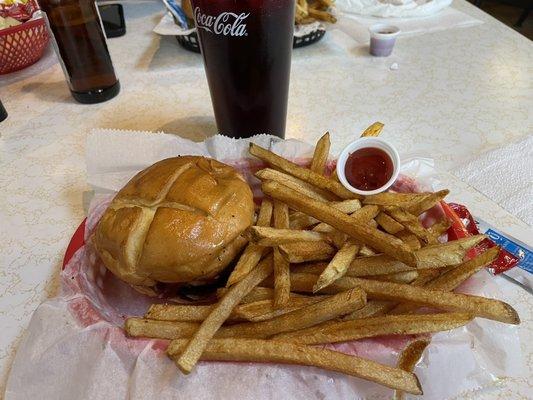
<point>22,45</point>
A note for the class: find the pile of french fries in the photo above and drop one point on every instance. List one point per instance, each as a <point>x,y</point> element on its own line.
<point>308,11</point>
<point>325,265</point>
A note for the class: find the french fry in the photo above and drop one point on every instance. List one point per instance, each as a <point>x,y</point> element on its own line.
<point>302,315</point>
<point>264,309</point>
<point>475,305</point>
<point>380,307</point>
<point>327,4</point>
<point>282,282</point>
<point>322,15</point>
<point>446,254</point>
<point>304,174</point>
<point>362,216</point>
<point>366,251</point>
<point>359,266</point>
<point>334,175</point>
<point>150,328</point>
<point>425,276</point>
<point>398,277</point>
<point>439,228</point>
<point>255,350</point>
<point>313,314</point>
<point>300,220</point>
<point>411,223</point>
<point>320,156</point>
<point>295,183</point>
<point>183,312</point>
<point>347,206</point>
<point>409,239</point>
<point>252,253</point>
<point>305,21</point>
<point>301,11</point>
<point>338,238</point>
<point>366,235</point>
<point>393,198</point>
<point>264,236</point>
<point>389,224</point>
<point>373,130</point>
<point>451,279</point>
<point>418,206</point>
<point>265,213</point>
<point>247,261</point>
<point>220,313</point>
<point>380,264</point>
<point>178,312</point>
<point>281,215</point>
<point>372,308</point>
<point>307,251</point>
<point>253,311</point>
<point>408,359</point>
<point>376,326</point>
<point>337,266</point>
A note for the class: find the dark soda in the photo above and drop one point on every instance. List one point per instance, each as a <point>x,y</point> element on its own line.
<point>246,46</point>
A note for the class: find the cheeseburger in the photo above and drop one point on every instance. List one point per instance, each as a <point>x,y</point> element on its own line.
<point>179,221</point>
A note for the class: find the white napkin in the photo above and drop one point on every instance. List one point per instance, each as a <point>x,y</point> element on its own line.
<point>505,176</point>
<point>393,8</point>
<point>356,26</point>
<point>73,340</point>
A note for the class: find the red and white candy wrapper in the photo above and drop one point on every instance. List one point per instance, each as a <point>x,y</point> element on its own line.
<point>75,347</point>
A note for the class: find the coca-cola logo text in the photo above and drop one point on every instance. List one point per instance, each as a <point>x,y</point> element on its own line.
<point>226,23</point>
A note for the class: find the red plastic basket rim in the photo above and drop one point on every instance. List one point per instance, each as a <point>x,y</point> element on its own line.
<point>76,243</point>
<point>23,26</point>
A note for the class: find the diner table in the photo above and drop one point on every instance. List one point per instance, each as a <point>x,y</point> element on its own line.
<point>451,95</point>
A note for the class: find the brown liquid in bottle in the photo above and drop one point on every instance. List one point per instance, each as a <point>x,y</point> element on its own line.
<point>82,47</point>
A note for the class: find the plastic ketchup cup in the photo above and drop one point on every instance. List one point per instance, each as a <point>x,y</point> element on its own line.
<point>368,166</point>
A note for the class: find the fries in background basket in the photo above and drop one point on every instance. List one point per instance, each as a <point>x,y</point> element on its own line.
<point>308,11</point>
<point>316,252</point>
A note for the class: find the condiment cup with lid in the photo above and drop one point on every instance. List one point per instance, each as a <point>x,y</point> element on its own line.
<point>368,165</point>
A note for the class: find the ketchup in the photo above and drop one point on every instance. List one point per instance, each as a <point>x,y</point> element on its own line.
<point>368,168</point>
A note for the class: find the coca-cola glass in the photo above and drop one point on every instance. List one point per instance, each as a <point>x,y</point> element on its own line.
<point>246,46</point>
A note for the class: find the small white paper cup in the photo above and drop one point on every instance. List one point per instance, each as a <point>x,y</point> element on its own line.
<point>365,142</point>
<point>382,39</point>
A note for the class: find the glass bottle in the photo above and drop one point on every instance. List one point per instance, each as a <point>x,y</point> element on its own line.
<point>3,112</point>
<point>82,49</point>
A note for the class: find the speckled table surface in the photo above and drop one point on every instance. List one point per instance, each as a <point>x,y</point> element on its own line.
<point>455,94</point>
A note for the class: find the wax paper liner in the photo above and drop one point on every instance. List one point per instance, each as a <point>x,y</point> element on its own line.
<point>75,348</point>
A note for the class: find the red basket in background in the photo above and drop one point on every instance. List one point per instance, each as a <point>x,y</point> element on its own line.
<point>22,45</point>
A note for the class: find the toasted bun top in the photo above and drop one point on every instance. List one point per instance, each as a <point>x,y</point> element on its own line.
<point>179,220</point>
